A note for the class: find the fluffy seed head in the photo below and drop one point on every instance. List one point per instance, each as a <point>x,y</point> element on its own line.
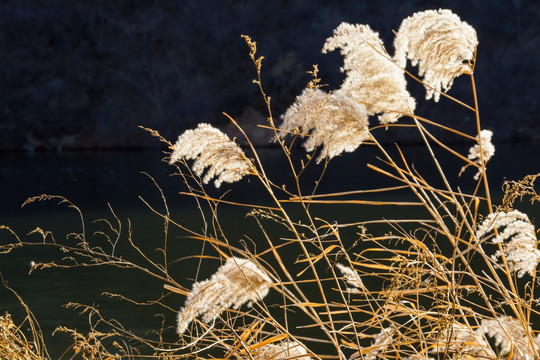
<point>212,149</point>
<point>464,338</point>
<point>488,150</point>
<point>372,77</point>
<point>333,121</point>
<point>236,282</point>
<point>440,44</point>
<point>517,239</point>
<point>283,350</point>
<point>351,277</point>
<point>510,335</point>
<point>381,342</point>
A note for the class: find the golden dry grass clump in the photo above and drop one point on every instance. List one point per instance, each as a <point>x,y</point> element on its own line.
<point>13,343</point>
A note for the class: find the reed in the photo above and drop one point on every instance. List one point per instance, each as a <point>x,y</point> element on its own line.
<point>455,281</point>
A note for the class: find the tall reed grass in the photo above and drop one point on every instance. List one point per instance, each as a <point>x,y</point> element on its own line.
<point>455,280</point>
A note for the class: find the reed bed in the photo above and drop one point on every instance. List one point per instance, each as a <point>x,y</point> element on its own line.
<point>456,280</point>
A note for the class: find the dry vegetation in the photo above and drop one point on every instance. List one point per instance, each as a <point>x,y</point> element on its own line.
<point>456,282</point>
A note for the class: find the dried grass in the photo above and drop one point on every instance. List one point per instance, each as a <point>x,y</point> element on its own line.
<point>454,281</point>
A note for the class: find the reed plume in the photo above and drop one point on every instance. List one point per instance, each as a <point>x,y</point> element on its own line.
<point>482,152</point>
<point>381,342</point>
<point>212,149</point>
<point>351,277</point>
<point>13,342</point>
<point>371,76</point>
<point>440,44</point>
<point>235,283</point>
<point>334,121</point>
<point>510,337</point>
<point>284,350</point>
<point>518,240</point>
<point>465,339</point>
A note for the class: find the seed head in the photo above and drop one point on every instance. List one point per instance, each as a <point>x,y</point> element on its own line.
<point>440,44</point>
<point>236,282</point>
<point>334,121</point>
<point>372,77</point>
<point>212,149</point>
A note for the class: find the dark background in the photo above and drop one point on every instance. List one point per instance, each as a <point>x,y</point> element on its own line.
<point>84,74</point>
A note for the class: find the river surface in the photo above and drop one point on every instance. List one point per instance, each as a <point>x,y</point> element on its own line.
<point>110,185</point>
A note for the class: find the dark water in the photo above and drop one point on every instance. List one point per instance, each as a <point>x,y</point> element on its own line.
<point>95,180</point>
